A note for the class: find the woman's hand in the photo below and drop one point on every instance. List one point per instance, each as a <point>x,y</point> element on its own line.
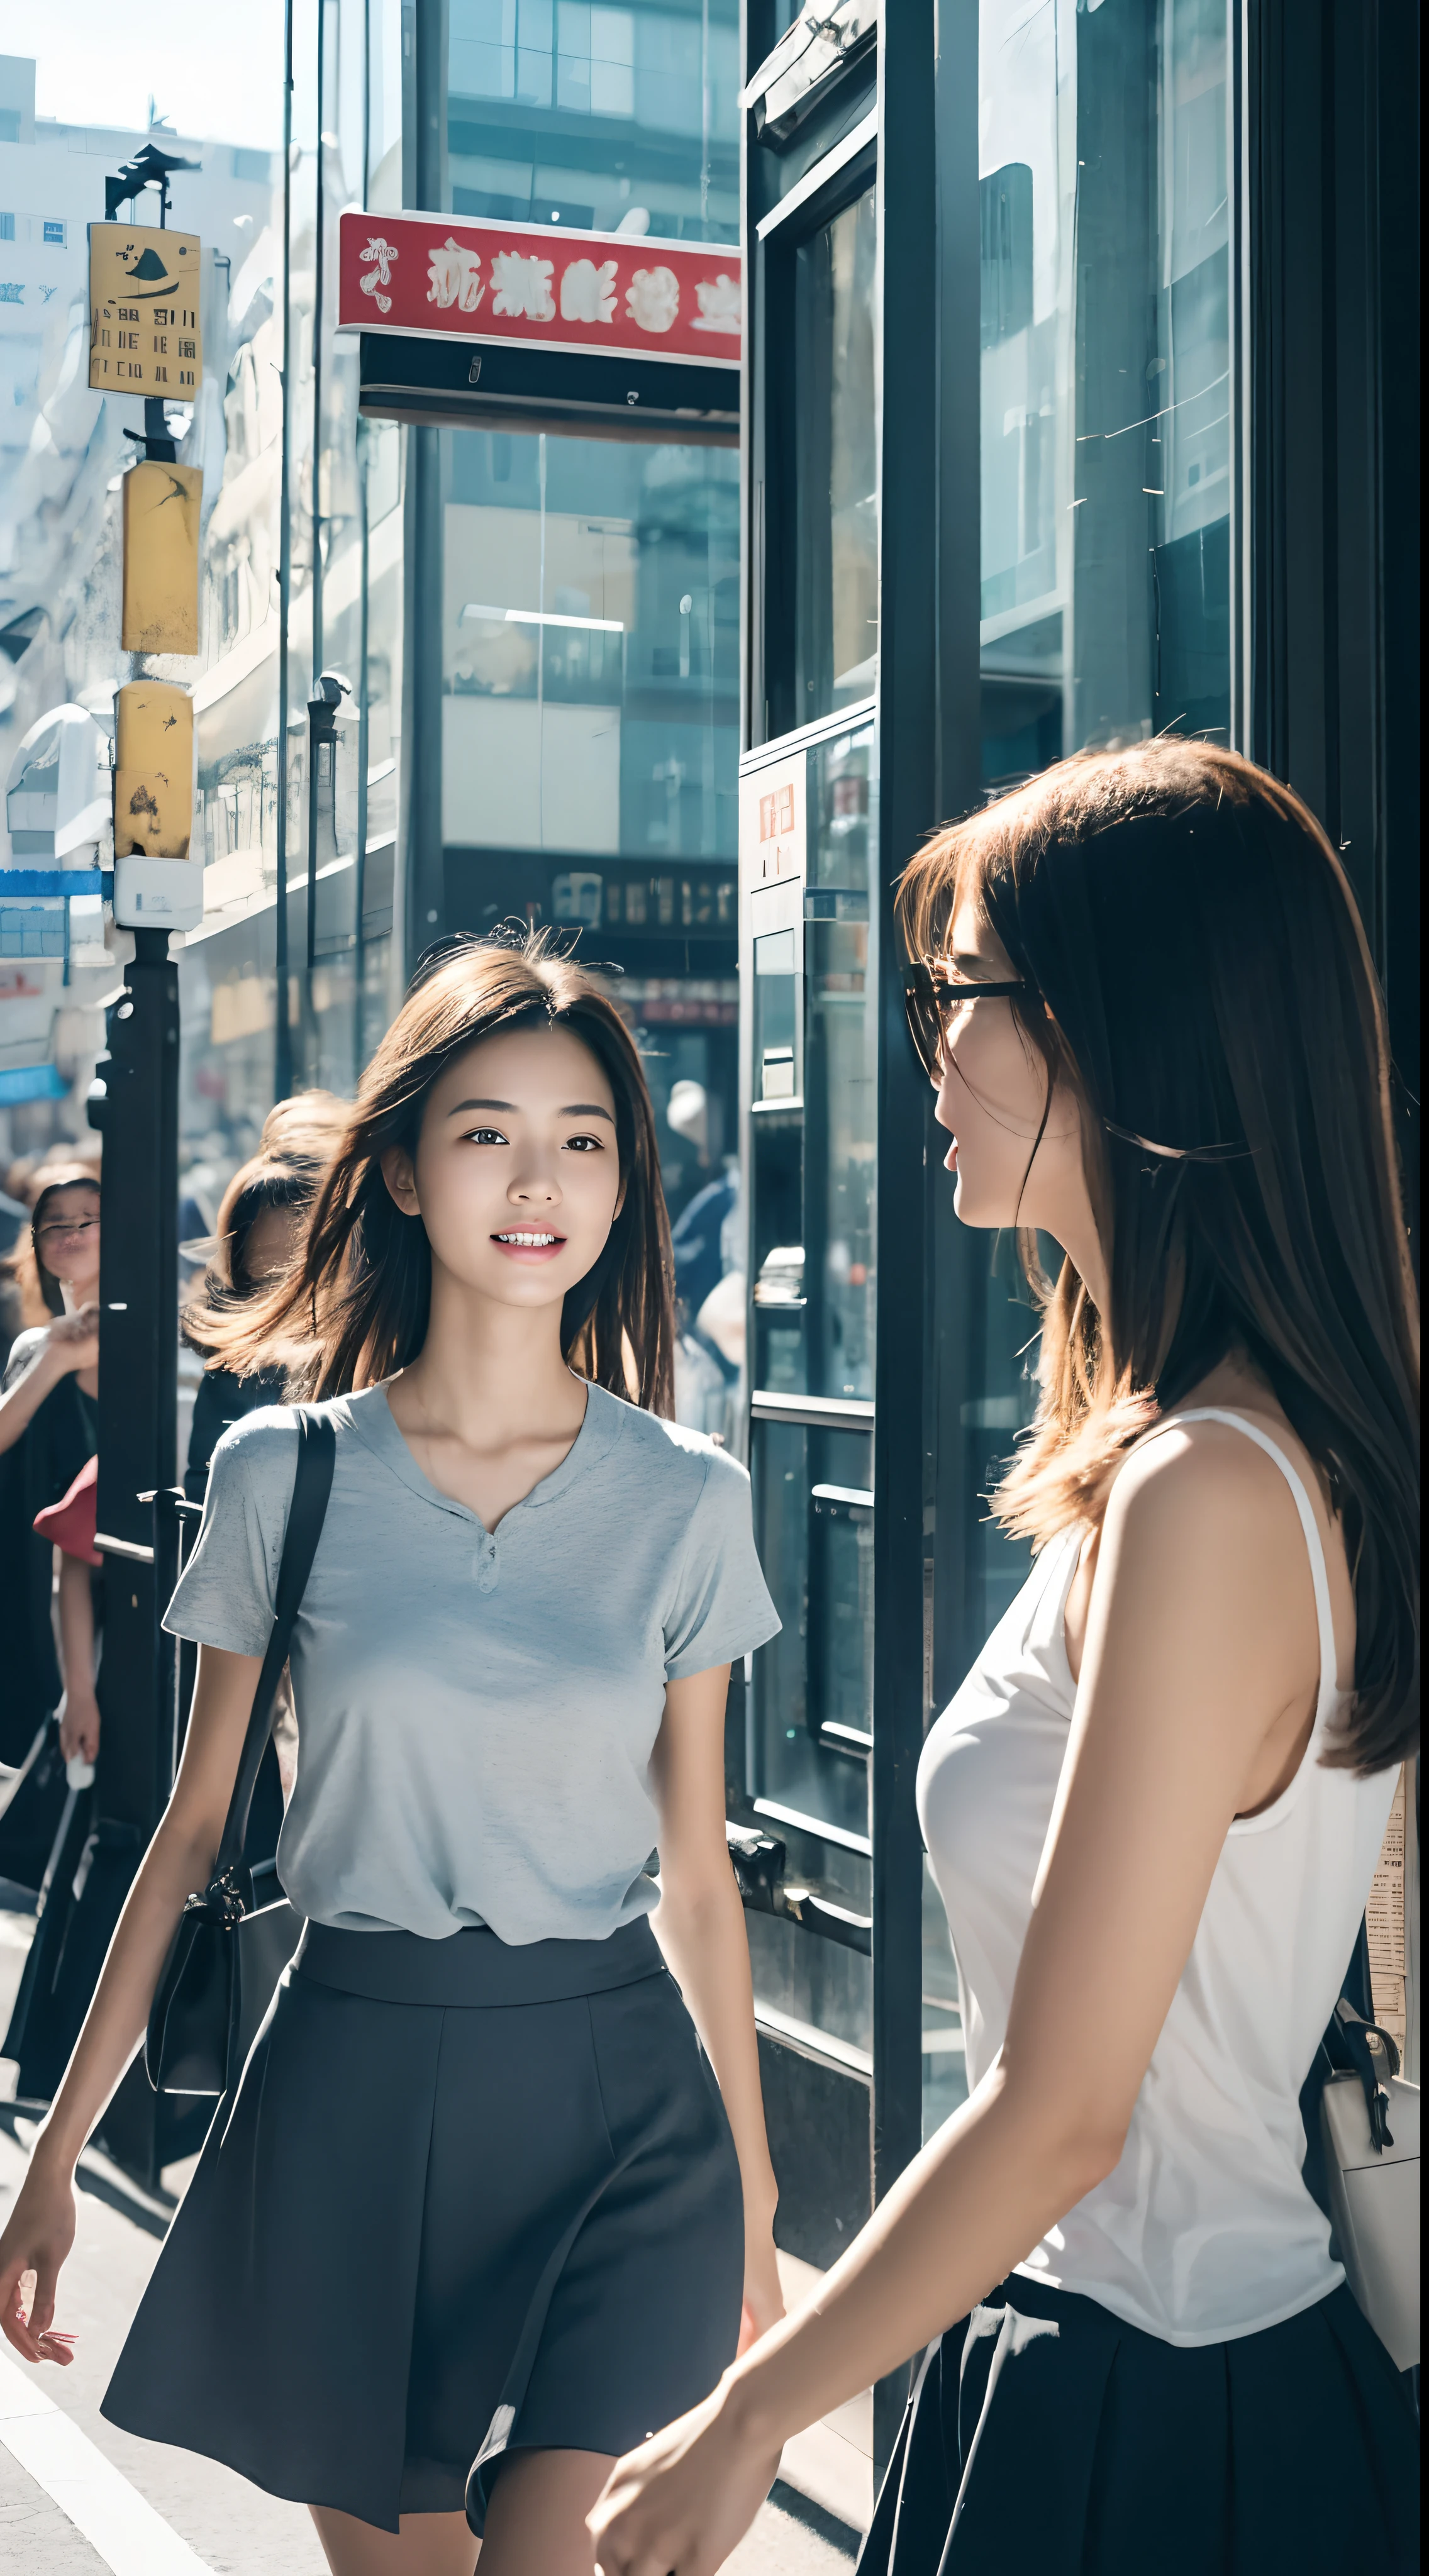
<point>74,1341</point>
<point>79,1726</point>
<point>763,2291</point>
<point>37,2240</point>
<point>686,2498</point>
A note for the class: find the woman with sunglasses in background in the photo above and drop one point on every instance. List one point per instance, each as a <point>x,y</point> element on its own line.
<point>1155,1806</point>
<point>49,1427</point>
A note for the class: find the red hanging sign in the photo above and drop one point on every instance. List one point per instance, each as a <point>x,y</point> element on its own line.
<point>540,286</point>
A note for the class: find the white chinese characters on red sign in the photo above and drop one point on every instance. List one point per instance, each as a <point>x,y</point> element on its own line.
<point>537,286</point>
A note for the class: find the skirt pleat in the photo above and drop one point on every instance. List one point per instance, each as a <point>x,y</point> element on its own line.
<point>1043,2433</point>
<point>431,2233</point>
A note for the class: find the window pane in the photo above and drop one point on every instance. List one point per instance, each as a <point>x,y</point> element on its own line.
<point>835,408</point>
<point>1106,435</point>
<point>616,119</point>
<point>1106,576</point>
<point>591,654</point>
<point>813,1686</point>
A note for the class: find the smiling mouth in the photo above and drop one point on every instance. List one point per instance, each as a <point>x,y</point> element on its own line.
<point>529,1239</point>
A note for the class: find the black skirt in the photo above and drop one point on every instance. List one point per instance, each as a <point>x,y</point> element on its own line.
<point>469,2199</point>
<point>1044,2435</point>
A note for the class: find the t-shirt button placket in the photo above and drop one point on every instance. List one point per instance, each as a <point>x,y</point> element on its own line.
<point>485,1568</point>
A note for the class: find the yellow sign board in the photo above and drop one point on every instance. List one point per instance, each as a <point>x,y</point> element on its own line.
<point>162,506</point>
<point>144,335</point>
<point>153,777</point>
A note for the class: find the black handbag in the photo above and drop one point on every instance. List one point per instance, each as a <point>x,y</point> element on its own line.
<point>228,1953</point>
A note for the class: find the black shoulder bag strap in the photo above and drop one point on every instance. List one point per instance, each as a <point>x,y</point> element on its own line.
<point>312,1484</point>
<point>197,2008</point>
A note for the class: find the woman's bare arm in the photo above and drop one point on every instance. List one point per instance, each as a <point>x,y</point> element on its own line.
<point>1199,1615</point>
<point>700,1928</point>
<point>79,1710</point>
<point>177,1862</point>
<point>70,1344</point>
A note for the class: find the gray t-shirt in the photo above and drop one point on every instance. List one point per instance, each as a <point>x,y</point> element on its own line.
<point>476,1712</point>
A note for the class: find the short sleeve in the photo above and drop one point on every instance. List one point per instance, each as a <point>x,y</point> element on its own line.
<point>24,1349</point>
<point>226,1593</point>
<point>722,1608</point>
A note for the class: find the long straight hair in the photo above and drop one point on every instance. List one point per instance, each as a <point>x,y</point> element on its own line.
<point>355,1305</point>
<point>41,1295</point>
<point>1201,981</point>
<point>298,1137</point>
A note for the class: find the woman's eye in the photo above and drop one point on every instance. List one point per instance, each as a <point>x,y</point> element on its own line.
<point>583,1145</point>
<point>485,1136</point>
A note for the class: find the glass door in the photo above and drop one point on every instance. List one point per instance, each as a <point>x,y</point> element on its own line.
<point>811,953</point>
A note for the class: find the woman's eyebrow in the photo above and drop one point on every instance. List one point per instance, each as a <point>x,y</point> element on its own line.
<point>573,1109</point>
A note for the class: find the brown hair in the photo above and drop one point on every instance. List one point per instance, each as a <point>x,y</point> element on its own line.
<point>298,1139</point>
<point>1210,1000</point>
<point>41,1296</point>
<point>354,1307</point>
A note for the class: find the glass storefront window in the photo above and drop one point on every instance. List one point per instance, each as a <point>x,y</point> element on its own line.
<point>590,626</point>
<point>1106,427</point>
<point>836,470</point>
<point>1106,372</point>
<point>614,119</point>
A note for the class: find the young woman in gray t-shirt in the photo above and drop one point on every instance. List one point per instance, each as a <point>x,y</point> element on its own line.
<point>478,2155</point>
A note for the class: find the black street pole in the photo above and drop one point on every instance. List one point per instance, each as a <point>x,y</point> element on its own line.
<point>134,1104</point>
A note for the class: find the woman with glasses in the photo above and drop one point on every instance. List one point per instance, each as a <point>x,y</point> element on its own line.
<point>1155,1806</point>
<point>49,1426</point>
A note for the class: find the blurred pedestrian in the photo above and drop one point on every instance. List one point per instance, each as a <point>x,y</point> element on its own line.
<point>259,1219</point>
<point>49,1427</point>
<point>69,1526</point>
<point>476,2156</point>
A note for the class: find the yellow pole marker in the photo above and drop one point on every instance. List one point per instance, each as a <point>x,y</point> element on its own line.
<point>154,769</point>
<point>161,530</point>
<point>144,335</point>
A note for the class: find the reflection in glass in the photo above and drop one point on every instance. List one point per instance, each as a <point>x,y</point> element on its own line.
<point>590,646</point>
<point>835,443</point>
<point>841,1076</point>
<point>776,1017</point>
<point>1106,435</point>
<point>945,2077</point>
<point>615,119</point>
<point>813,1685</point>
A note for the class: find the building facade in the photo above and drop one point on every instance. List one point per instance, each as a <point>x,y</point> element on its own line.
<point>1081,373</point>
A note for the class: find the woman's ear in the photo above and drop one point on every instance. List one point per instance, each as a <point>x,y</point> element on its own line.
<point>401,1179</point>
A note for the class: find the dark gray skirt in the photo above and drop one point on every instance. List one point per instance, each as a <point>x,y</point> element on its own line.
<point>1043,2434</point>
<point>469,2199</point>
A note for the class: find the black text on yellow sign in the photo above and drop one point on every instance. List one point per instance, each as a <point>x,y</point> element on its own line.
<point>144,335</point>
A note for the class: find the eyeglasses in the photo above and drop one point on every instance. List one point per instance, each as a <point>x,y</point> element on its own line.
<point>56,1227</point>
<point>932,997</point>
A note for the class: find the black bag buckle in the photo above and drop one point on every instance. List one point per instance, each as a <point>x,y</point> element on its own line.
<point>1373,2056</point>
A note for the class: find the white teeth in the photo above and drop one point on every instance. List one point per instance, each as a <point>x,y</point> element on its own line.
<point>531,1242</point>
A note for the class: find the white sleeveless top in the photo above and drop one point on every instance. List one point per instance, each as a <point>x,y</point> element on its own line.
<point>1204,2230</point>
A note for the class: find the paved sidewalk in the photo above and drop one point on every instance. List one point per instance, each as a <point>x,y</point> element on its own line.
<point>231,2528</point>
